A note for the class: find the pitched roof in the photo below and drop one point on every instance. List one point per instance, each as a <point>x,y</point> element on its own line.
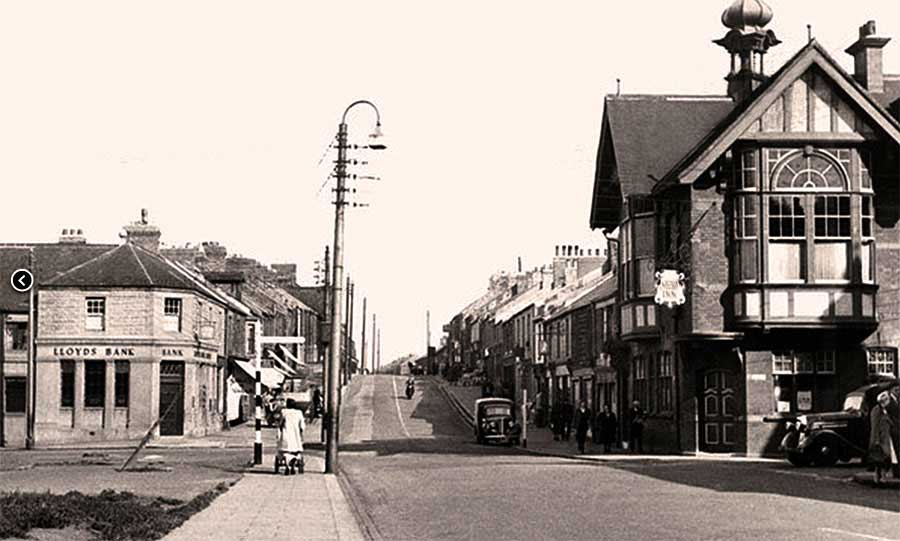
<point>694,163</point>
<point>311,296</point>
<point>126,265</point>
<point>50,260</point>
<point>643,144</point>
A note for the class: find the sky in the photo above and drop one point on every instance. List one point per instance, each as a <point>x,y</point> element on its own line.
<point>214,116</point>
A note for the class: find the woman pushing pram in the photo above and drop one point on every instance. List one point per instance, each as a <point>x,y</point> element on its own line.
<point>290,439</point>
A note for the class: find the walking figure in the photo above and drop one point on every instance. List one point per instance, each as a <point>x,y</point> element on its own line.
<point>637,415</point>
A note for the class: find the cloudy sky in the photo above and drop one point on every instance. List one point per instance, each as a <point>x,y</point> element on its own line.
<point>214,116</point>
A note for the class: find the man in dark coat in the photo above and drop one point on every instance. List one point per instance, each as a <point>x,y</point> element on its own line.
<point>316,402</point>
<point>608,425</point>
<point>582,423</point>
<point>556,420</point>
<point>636,417</point>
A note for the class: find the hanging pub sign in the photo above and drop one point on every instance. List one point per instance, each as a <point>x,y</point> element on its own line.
<point>669,288</point>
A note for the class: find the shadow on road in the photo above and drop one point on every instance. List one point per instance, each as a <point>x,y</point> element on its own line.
<point>776,479</point>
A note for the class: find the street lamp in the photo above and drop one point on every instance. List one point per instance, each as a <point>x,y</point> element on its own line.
<point>334,352</point>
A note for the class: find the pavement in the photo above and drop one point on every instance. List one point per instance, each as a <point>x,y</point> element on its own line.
<point>263,505</point>
<point>414,471</point>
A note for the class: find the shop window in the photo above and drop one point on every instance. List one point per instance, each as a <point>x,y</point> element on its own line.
<point>94,384</point>
<point>67,384</point>
<point>122,383</point>
<point>17,335</point>
<point>666,377</point>
<point>96,313</point>
<point>15,395</point>
<point>796,375</point>
<point>882,361</point>
<point>172,314</point>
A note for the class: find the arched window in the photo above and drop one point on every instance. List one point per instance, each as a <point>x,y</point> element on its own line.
<point>809,170</point>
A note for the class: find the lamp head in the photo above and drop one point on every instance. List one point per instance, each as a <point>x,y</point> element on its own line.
<point>377,134</point>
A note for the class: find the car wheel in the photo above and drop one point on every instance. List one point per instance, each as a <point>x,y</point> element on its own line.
<point>826,454</point>
<point>798,459</point>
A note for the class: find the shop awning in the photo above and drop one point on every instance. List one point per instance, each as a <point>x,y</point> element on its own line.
<point>290,356</point>
<point>284,367</point>
<point>270,377</point>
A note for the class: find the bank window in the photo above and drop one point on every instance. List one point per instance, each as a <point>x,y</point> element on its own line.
<point>96,313</point>
<point>17,335</point>
<point>67,384</point>
<point>666,375</point>
<point>882,361</point>
<point>172,315</point>
<point>15,395</point>
<point>94,384</point>
<point>123,375</point>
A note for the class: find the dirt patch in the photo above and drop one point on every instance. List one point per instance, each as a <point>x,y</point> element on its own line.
<point>110,515</point>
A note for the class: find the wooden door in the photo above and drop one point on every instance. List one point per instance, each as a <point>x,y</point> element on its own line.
<point>718,408</point>
<point>171,393</point>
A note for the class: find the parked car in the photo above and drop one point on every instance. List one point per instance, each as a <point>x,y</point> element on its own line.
<point>822,439</point>
<point>495,421</point>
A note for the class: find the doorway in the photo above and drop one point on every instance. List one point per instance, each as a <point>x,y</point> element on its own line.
<point>718,412</point>
<point>171,398</point>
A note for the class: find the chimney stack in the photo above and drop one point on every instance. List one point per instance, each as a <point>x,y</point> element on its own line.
<point>868,59</point>
<point>72,236</point>
<point>142,233</point>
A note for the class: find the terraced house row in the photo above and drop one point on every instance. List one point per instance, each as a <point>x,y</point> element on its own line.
<point>127,333</point>
<point>772,209</point>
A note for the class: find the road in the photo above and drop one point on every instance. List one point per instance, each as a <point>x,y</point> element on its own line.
<point>414,472</point>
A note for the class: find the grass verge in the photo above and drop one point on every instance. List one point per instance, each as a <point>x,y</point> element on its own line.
<point>110,515</point>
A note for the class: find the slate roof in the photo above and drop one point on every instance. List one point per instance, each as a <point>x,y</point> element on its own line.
<point>311,296</point>
<point>126,265</point>
<point>725,123</point>
<point>648,135</point>
<point>50,260</point>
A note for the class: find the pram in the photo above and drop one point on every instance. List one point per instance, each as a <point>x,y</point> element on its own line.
<point>290,442</point>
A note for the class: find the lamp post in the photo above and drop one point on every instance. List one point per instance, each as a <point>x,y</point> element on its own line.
<point>334,352</point>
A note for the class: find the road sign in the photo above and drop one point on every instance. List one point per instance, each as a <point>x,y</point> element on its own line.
<point>21,280</point>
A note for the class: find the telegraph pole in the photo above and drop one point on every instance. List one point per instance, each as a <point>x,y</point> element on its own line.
<point>332,416</point>
<point>350,334</point>
<point>374,343</point>
<point>345,367</point>
<point>362,345</point>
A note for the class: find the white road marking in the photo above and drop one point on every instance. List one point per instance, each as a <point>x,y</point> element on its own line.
<point>397,403</point>
<point>854,534</point>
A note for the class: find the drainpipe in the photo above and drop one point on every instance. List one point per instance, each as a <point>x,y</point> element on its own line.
<point>621,387</point>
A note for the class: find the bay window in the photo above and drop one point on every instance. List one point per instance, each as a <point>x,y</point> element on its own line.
<point>810,210</point>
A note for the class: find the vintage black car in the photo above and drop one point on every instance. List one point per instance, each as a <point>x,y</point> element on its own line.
<point>495,421</point>
<point>822,439</point>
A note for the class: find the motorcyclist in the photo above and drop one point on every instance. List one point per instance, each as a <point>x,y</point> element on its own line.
<point>410,386</point>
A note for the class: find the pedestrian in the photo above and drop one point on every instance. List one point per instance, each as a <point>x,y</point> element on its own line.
<point>568,412</point>
<point>608,425</point>
<point>582,424</point>
<point>882,453</point>
<point>316,402</point>
<point>636,433</point>
<point>556,420</point>
<point>894,412</point>
<point>487,390</point>
<point>290,437</point>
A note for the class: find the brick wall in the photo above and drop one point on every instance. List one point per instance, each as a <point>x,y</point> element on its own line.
<point>708,276</point>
